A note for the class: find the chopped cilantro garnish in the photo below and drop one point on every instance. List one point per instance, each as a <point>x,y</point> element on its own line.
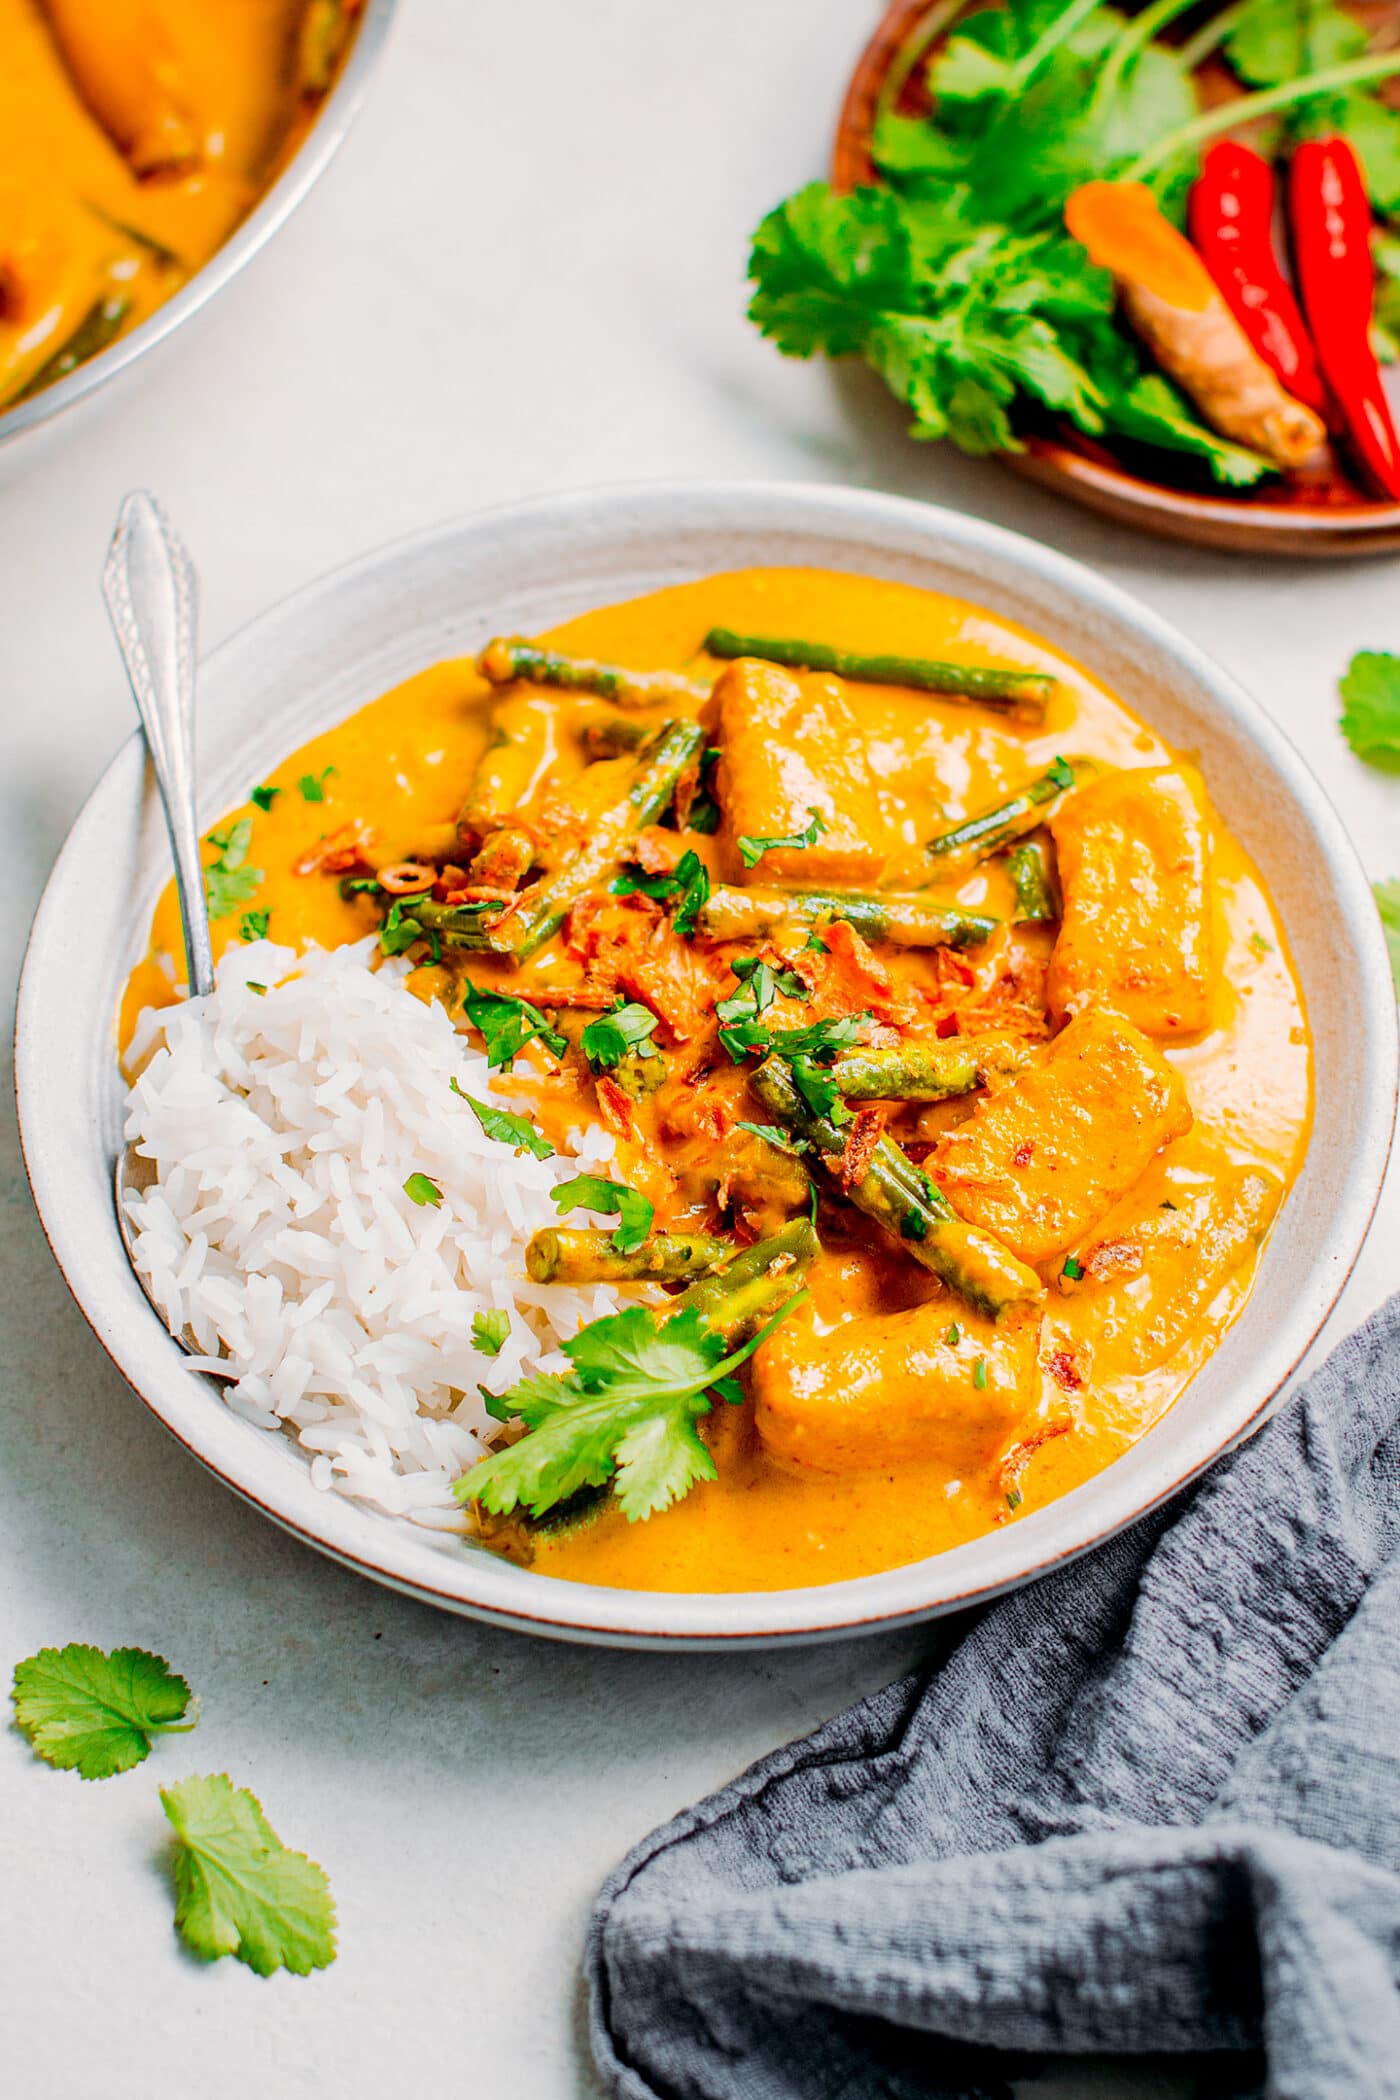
<point>227,882</point>
<point>1014,1499</point>
<point>507,1129</point>
<point>819,1042</point>
<point>506,1025</point>
<point>238,1889</point>
<point>953,1336</point>
<point>260,989</point>
<point>1061,772</point>
<point>490,1330</point>
<point>1260,946</point>
<point>263,797</point>
<point>1073,1269</point>
<point>606,1041</point>
<point>689,884</point>
<point>312,786</point>
<point>913,1225</point>
<point>422,1189</point>
<point>773,1135</point>
<point>94,1713</point>
<point>253,926</point>
<point>818,1091</point>
<point>979,1374</point>
<point>815,942</point>
<point>625,1411</point>
<point>400,929</point>
<point>591,1192</point>
<point>752,850</point>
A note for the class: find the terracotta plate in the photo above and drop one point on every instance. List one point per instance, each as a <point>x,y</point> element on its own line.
<point>1327,517</point>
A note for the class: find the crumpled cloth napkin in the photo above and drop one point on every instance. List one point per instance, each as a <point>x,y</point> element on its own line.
<point>1150,1803</point>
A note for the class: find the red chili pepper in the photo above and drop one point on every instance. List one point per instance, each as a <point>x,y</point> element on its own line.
<point>1231,215</point>
<point>1331,219</point>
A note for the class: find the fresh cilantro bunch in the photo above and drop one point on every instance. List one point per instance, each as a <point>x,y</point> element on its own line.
<point>625,1411</point>
<point>963,318</point>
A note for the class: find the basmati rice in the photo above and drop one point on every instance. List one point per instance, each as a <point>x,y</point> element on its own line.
<point>279,1236</point>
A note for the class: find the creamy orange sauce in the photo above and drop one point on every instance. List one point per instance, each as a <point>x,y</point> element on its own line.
<point>134,136</point>
<point>404,765</point>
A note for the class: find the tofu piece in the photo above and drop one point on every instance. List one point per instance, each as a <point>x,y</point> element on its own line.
<point>1151,1280</point>
<point>788,746</point>
<point>891,1389</point>
<point>1134,862</point>
<point>1043,1160</point>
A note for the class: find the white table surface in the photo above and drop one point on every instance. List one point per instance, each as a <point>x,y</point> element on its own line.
<point>524,273</point>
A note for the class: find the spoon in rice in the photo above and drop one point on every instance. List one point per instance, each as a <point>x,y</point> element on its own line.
<point>152,595</point>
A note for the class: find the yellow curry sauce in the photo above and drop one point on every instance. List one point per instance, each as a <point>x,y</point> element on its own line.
<point>1167,1269</point>
<point>134,136</point>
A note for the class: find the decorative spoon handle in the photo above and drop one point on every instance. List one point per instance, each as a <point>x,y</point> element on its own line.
<point>152,595</point>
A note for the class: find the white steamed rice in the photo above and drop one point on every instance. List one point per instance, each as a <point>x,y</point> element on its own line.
<point>279,1235</point>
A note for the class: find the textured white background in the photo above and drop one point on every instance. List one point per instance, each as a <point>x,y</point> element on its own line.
<point>524,273</point>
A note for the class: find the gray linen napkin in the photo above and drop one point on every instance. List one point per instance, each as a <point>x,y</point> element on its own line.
<point>1151,1803</point>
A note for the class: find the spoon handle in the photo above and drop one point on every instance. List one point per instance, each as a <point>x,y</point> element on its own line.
<point>152,596</point>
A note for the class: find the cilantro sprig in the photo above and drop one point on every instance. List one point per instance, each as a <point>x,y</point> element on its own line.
<point>1370,720</point>
<point>490,1329</point>
<point>625,1411</point>
<point>817,1043</point>
<point>752,849</point>
<point>312,786</point>
<point>633,1210</point>
<point>761,984</point>
<point>228,882</point>
<point>94,1713</point>
<point>238,1889</point>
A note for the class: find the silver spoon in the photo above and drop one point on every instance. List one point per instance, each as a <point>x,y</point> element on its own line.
<point>152,595</point>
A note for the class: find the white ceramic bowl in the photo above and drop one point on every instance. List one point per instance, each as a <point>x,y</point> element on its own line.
<point>29,426</point>
<point>309,662</point>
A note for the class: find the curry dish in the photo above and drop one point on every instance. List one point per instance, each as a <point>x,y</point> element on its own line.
<point>134,136</point>
<point>948,1039</point>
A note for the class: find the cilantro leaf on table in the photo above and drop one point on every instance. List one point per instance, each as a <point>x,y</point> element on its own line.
<point>625,1411</point>
<point>238,1889</point>
<point>227,881</point>
<point>1370,720</point>
<point>506,1025</point>
<point>94,1713</point>
<point>490,1329</point>
<point>606,1041</point>
<point>752,850</point>
<point>688,885</point>
<point>1388,905</point>
<point>610,1198</point>
<point>506,1128</point>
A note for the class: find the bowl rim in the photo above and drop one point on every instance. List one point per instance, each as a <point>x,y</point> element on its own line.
<point>1368,526</point>
<point>323,140</point>
<point>476,1583</point>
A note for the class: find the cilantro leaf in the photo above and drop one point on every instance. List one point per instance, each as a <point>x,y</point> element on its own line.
<point>506,1025</point>
<point>1371,718</point>
<point>626,1411</point>
<point>752,850</point>
<point>264,797</point>
<point>820,1041</point>
<point>507,1129</point>
<point>94,1713</point>
<point>227,882</point>
<point>400,929</point>
<point>610,1198</point>
<point>490,1329</point>
<point>312,786</point>
<point>253,926</point>
<point>1276,40</point>
<point>238,1889</point>
<point>423,1190</point>
<point>1388,905</point>
<point>606,1041</point>
<point>820,1092</point>
<point>688,884</point>
<point>773,1134</point>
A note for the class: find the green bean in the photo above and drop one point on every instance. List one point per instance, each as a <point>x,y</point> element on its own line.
<point>900,1197</point>
<point>1012,818</point>
<point>511,657</point>
<point>916,919</point>
<point>993,685</point>
<point>1033,880</point>
<point>928,1071</point>
<point>558,1255</point>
